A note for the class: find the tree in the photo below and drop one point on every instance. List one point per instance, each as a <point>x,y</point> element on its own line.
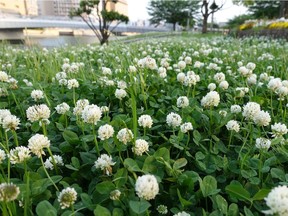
<point>92,11</point>
<point>176,11</point>
<point>265,8</point>
<point>207,10</point>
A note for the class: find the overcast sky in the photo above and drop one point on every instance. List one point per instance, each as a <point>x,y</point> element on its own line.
<point>137,10</point>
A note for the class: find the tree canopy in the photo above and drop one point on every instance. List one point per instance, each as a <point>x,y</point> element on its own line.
<point>177,11</point>
<point>95,10</point>
<point>266,8</point>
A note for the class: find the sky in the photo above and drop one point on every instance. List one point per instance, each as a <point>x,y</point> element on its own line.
<point>137,10</point>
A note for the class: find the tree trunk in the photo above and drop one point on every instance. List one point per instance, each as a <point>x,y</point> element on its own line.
<point>205,24</point>
<point>105,37</point>
<point>174,26</point>
<point>205,15</point>
<point>283,9</point>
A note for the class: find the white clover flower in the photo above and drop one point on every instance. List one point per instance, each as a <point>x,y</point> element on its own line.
<point>282,92</point>
<point>241,91</point>
<point>181,77</point>
<point>80,105</point>
<point>262,118</point>
<point>2,156</point>
<point>211,86</point>
<point>120,93</point>
<point>187,126</point>
<point>63,82</point>
<point>38,112</point>
<point>252,80</point>
<point>219,77</point>
<point>49,162</point>
<point>245,72</point>
<point>61,75</point>
<point>181,65</point>
<point>263,77</point>
<point>162,72</point>
<point>4,76</point>
<point>105,132</point>
<point>145,121</point>
<point>125,135</point>
<point>3,92</point>
<point>223,113</point>
<point>173,119</point>
<point>72,83</point>
<point>91,114</point>
<point>251,66</point>
<point>285,83</point>
<point>250,110</point>
<point>240,64</point>
<point>115,195</point>
<point>27,82</point>
<point>147,187</point>
<point>263,143</point>
<point>121,84</point>
<point>183,213</point>
<point>67,197</point>
<point>233,125</point>
<point>19,154</point>
<point>211,99</point>
<point>198,64</point>
<point>104,109</point>
<point>274,84</point>
<point>277,201</point>
<point>182,102</point>
<point>279,129</point>
<point>65,67</point>
<point>106,71</point>
<point>140,147</point>
<point>8,192</point>
<point>3,114</point>
<point>132,69</point>
<point>150,63</point>
<point>36,144</point>
<point>188,60</point>
<point>213,66</point>
<point>105,163</point>
<point>10,122</point>
<point>62,108</point>
<point>235,109</point>
<point>37,95</point>
<point>191,78</point>
<point>109,82</point>
<point>223,85</point>
<point>162,209</point>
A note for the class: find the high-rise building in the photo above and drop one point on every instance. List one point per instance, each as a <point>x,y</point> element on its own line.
<point>56,7</point>
<point>121,6</point>
<point>52,7</point>
<point>19,7</point>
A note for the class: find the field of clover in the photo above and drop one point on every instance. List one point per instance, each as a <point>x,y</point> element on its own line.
<point>179,127</point>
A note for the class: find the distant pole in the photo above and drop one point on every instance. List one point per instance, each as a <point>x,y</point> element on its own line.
<point>212,20</point>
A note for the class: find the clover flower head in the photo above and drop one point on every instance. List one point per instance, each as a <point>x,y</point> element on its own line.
<point>277,201</point>
<point>8,192</point>
<point>125,135</point>
<point>105,163</point>
<point>105,132</point>
<point>147,187</point>
<point>145,121</point>
<point>67,197</point>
